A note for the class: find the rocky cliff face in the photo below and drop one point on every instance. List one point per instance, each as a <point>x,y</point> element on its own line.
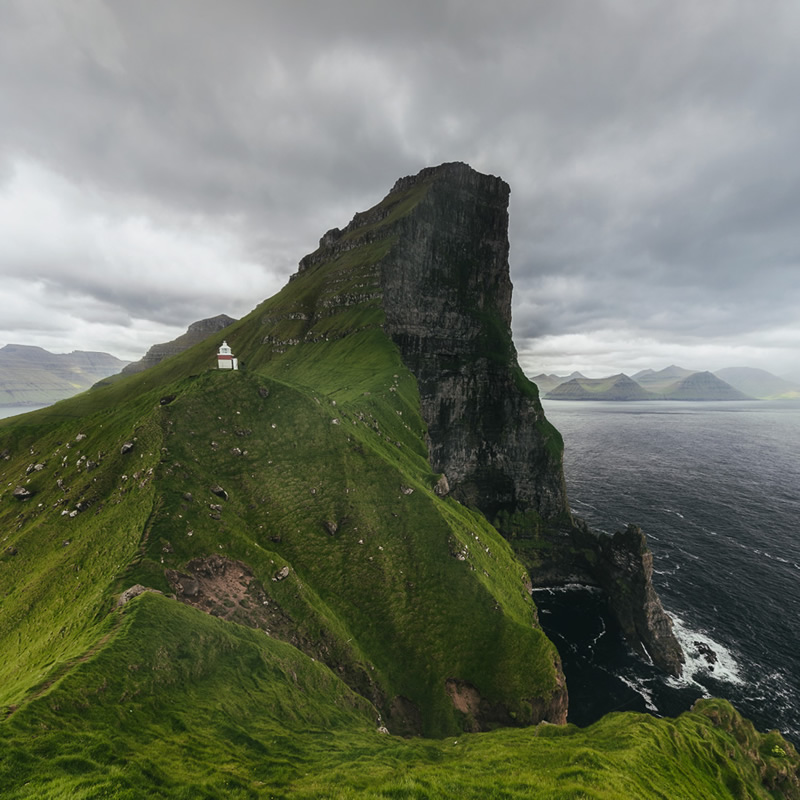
<point>442,279</point>
<point>446,295</point>
<point>447,298</point>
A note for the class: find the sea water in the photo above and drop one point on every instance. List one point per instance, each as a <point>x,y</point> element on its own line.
<point>11,411</point>
<point>716,489</point>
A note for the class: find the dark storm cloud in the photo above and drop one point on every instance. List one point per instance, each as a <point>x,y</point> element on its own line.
<point>650,147</point>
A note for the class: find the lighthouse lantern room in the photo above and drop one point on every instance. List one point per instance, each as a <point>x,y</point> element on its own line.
<point>225,358</point>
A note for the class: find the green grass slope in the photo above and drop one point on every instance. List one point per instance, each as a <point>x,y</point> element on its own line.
<point>178,704</point>
<point>330,505</point>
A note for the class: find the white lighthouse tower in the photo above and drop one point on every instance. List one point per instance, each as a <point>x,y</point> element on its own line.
<point>225,358</point>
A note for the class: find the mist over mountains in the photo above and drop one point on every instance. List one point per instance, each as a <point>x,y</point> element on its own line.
<point>670,383</point>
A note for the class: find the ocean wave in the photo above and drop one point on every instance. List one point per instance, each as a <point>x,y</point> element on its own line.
<point>704,656</point>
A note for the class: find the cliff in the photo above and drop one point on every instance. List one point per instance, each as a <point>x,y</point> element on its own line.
<point>439,272</point>
<point>446,294</point>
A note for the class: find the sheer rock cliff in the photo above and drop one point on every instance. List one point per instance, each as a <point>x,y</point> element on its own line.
<point>446,293</point>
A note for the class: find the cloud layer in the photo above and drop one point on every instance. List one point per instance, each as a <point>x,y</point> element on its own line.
<point>164,162</point>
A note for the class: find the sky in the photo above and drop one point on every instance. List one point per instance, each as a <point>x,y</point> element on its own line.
<point>162,162</point>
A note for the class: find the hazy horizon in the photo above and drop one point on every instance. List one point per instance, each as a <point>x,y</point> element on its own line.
<point>160,164</point>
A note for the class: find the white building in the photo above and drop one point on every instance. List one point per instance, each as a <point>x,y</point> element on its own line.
<point>226,359</point>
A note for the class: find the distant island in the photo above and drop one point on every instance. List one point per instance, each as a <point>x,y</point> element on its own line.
<point>32,376</point>
<point>671,383</point>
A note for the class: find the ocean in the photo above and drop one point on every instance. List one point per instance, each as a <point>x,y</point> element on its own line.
<point>716,489</point>
<point>11,411</point>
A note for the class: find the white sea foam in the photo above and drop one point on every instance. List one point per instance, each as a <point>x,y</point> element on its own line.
<point>567,587</point>
<point>704,656</point>
<point>638,686</point>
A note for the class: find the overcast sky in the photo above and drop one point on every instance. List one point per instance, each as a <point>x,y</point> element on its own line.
<point>162,161</point>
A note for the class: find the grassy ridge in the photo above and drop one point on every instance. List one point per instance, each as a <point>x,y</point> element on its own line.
<point>181,705</point>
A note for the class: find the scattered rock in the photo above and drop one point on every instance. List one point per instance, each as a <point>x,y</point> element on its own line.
<point>215,507</point>
<point>134,591</point>
<point>708,654</point>
<point>5,455</point>
<point>281,574</point>
<point>80,437</point>
<point>263,391</point>
<point>126,448</point>
<point>167,399</point>
<point>442,488</point>
<point>187,496</point>
<point>330,526</point>
<point>406,490</point>
<point>219,492</point>
<point>11,551</point>
<point>236,451</point>
<point>21,493</point>
<point>34,468</point>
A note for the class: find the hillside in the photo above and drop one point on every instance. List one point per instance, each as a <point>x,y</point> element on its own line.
<point>322,575</point>
<point>702,386</point>
<point>659,381</point>
<point>32,376</point>
<point>758,383</point>
<point>615,387</point>
<point>195,333</point>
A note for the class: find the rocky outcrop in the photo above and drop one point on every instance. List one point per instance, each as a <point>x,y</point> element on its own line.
<point>196,332</point>
<point>625,571</point>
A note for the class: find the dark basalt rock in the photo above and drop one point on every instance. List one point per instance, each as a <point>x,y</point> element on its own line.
<point>447,298</point>
<point>625,571</point>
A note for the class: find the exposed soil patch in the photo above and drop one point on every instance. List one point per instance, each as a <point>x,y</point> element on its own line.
<point>228,589</point>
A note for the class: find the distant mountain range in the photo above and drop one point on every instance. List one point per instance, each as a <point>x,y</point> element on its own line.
<point>32,376</point>
<point>671,383</point>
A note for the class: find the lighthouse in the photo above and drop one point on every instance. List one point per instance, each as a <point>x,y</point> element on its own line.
<point>225,358</point>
